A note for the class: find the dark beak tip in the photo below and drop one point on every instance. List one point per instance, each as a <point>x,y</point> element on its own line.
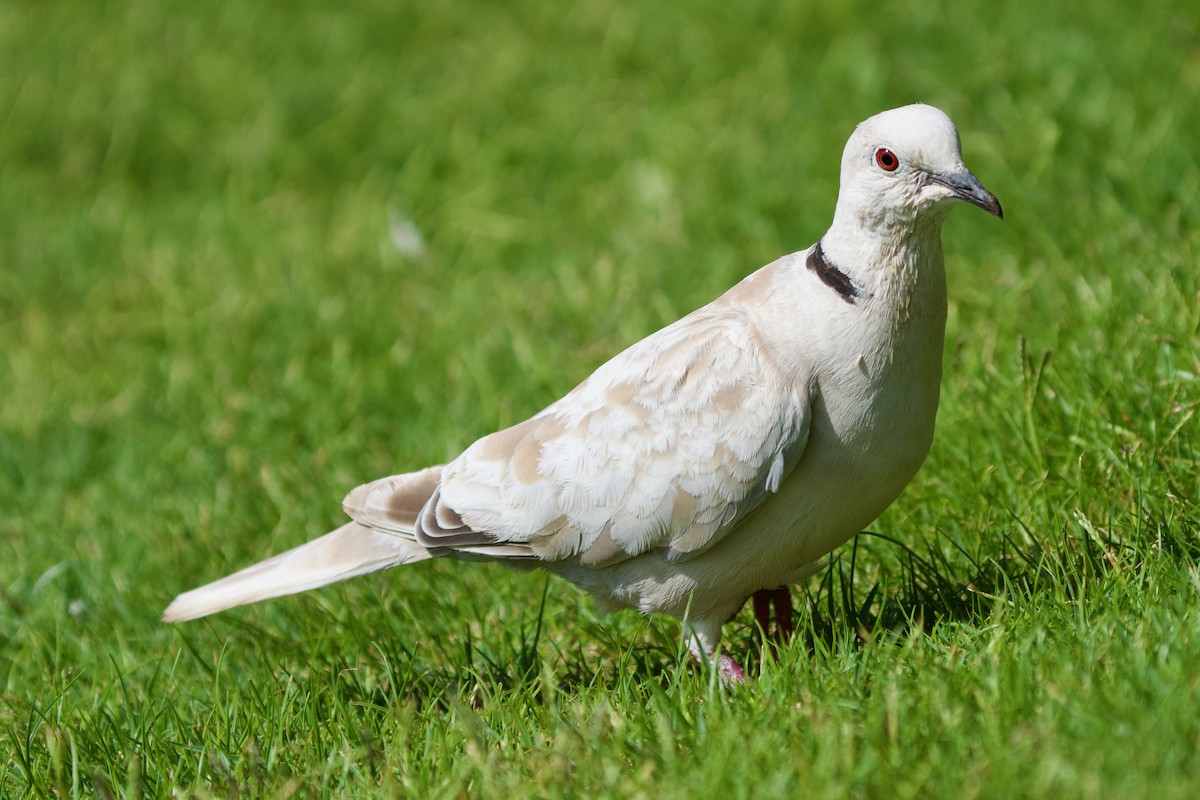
<point>984,199</point>
<point>967,187</point>
<point>975,194</point>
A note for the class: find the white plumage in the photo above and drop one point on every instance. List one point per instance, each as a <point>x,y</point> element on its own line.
<point>720,456</point>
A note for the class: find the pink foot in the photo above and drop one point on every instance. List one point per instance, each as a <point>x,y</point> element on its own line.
<point>703,642</point>
<point>731,672</point>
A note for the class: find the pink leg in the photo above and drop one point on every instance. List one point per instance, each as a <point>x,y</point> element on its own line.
<point>762,610</point>
<point>781,599</point>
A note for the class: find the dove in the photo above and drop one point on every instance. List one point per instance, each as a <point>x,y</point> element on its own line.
<point>719,458</point>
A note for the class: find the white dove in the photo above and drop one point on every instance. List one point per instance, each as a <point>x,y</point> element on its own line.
<point>723,455</point>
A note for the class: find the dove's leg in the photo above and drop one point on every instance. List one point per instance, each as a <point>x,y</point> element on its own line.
<point>781,599</point>
<point>703,640</point>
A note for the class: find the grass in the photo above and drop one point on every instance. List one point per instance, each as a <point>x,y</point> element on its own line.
<point>208,333</point>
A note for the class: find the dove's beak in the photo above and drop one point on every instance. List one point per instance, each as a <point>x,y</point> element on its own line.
<point>966,186</point>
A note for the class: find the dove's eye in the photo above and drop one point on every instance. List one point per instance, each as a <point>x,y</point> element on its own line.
<point>886,160</point>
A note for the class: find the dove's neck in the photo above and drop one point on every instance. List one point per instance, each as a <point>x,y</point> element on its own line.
<point>896,266</point>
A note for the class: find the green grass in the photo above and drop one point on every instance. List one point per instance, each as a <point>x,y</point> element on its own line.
<point>207,336</point>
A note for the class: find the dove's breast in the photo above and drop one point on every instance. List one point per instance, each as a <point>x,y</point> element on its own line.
<point>874,406</point>
<point>872,401</point>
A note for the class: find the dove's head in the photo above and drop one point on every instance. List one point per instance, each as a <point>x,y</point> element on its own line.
<point>903,166</point>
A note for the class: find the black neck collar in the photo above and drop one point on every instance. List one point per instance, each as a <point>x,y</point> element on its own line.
<point>831,276</point>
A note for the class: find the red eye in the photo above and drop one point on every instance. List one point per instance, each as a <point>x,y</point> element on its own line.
<point>886,160</point>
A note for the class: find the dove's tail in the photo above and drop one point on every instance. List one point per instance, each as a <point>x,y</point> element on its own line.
<point>349,551</point>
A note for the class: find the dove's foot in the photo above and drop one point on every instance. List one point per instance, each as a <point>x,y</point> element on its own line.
<point>703,641</point>
<point>781,599</point>
<point>731,672</point>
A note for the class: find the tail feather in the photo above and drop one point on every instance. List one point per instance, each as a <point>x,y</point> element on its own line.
<point>349,551</point>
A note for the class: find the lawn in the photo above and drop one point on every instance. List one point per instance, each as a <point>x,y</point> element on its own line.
<point>253,254</point>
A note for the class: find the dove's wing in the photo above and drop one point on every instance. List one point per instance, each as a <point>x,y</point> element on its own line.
<point>669,445</point>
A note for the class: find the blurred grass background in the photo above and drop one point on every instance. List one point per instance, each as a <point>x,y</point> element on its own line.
<point>254,254</point>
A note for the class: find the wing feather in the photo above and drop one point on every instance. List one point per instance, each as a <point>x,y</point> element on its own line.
<point>669,445</point>
<point>666,447</point>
